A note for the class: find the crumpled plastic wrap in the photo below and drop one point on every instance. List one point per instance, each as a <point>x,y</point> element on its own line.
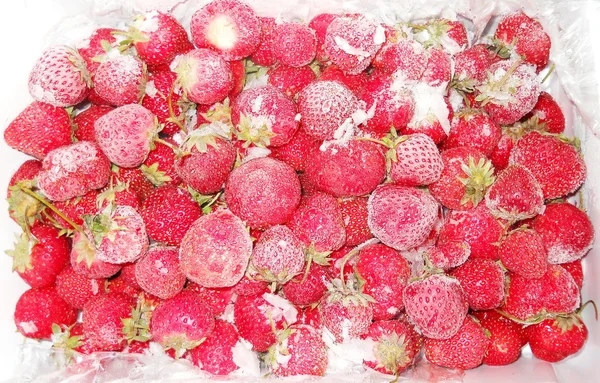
<point>574,84</point>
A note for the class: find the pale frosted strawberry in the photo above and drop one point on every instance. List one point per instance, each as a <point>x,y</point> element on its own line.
<point>125,134</point>
<point>567,232</point>
<point>278,255</point>
<point>318,221</point>
<point>264,55</point>
<point>449,254</point>
<point>346,313</point>
<point>324,107</point>
<point>407,58</point>
<point>215,354</point>
<point>437,305</point>
<point>294,44</point>
<point>401,217</point>
<point>319,24</point>
<point>204,76</point>
<point>120,80</point>
<point>473,129</point>
<point>215,250</point>
<point>299,350</point>
<point>71,171</point>
<point>264,116</point>
<point>515,195</point>
<point>393,105</point>
<point>351,42</point>
<point>102,321</point>
<point>291,80</point>
<point>483,283</point>
<point>59,77</point>
<point>85,262</point>
<point>418,161</point>
<point>522,252</point>
<point>158,272</point>
<point>229,27</point>
<point>303,291</point>
<point>356,220</point>
<point>470,66</point>
<point>263,192</point>
<point>439,68</point>
<point>349,170</point>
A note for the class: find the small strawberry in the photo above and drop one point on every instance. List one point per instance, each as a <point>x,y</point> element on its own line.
<point>238,70</point>
<point>483,283</point>
<point>355,82</point>
<point>77,289</point>
<point>181,323</point>
<point>553,340</point>
<point>215,250</point>
<point>407,58</point>
<point>473,129</point>
<point>464,350</point>
<point>264,54</point>
<point>417,161</point>
<point>294,44</point>
<point>393,105</point>
<point>547,115</point>
<point>59,77</point>
<point>39,129</point>
<point>163,98</point>
<point>447,255</point>
<point>319,24</point>
<point>158,272</point>
<point>263,192</point>
<point>38,309</point>
<point>24,208</point>
<point>297,151</point>
<point>356,220</point>
<point>159,166</point>
<point>439,68</point>
<point>307,289</point>
<point>501,153</point>
<point>216,299</point>
<point>522,252</point>
<point>121,80</point>
<point>290,80</point>
<point>299,350</point>
<point>84,122</point>
<point>278,255</point>
<point>84,259</point>
<point>229,27</point>
<point>215,354</point>
<point>506,338</point>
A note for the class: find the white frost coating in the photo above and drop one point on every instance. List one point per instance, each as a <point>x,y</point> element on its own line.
<point>28,327</point>
<point>283,308</point>
<point>95,286</point>
<point>430,100</point>
<point>39,93</point>
<point>450,45</point>
<point>352,351</point>
<point>257,104</point>
<point>345,132</point>
<point>346,47</point>
<point>216,128</point>
<point>256,152</point>
<point>379,37</point>
<point>151,90</point>
<point>298,117</point>
<point>150,22</point>
<point>456,100</point>
<point>245,359</point>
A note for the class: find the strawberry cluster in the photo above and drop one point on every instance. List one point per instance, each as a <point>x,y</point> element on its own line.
<point>286,188</point>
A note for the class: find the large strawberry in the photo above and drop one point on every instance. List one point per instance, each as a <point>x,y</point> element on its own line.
<point>38,309</point>
<point>522,252</point>
<point>474,129</point>
<point>102,319</point>
<point>506,338</point>
<point>121,80</point>
<point>299,350</point>
<point>294,44</point>
<point>158,272</point>
<point>555,339</point>
<point>307,289</point>
<point>278,255</point>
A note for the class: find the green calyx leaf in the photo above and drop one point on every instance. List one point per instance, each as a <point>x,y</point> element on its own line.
<point>137,327</point>
<point>391,352</point>
<point>23,208</point>
<point>479,176</point>
<point>154,175</point>
<point>254,130</point>
<point>21,253</point>
<point>109,195</point>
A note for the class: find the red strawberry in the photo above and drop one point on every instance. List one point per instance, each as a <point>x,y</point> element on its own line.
<point>506,338</point>
<point>553,340</point>
<point>345,311</point>
<point>401,217</point>
<point>85,262</point>
<point>576,270</point>
<point>299,350</point>
<point>297,151</point>
<point>135,179</point>
<point>215,354</point>
<point>349,170</point>
<point>393,105</point>
<point>356,220</point>
<point>566,231</point>
<point>278,255</point>
<point>103,320</point>
<point>522,252</point>
<point>38,309</point>
<point>501,153</point>
<point>229,27</point>
<point>324,107</point>
<point>73,170</point>
<point>264,54</point>
<point>308,290</point>
<point>40,255</point>
<point>470,66</point>
<point>547,115</point>
<point>418,161</point>
<point>249,285</point>
<point>337,259</point>
<point>355,82</point>
<point>238,70</point>
<point>310,316</point>
<point>216,299</point>
<point>515,195</point>
<point>555,164</point>
<point>77,289</point>
<point>158,272</point>
<point>483,283</point>
<point>263,192</point>
<point>74,209</point>
<point>407,58</point>
<point>439,68</point>
<point>159,166</point>
<point>319,24</point>
<point>449,254</point>
<point>204,76</point>
<point>215,250</point>
<point>85,120</point>
<point>163,99</point>
<point>181,323</point>
<point>527,36</point>
<point>39,129</point>
<point>318,222</point>
<point>59,77</point>
<point>294,44</point>
<point>121,80</point>
<point>473,129</point>
<point>397,346</point>
<point>96,48</point>
<point>477,228</point>
<point>464,350</point>
<point>257,316</point>
<point>290,80</point>
<point>264,117</point>
<point>118,285</point>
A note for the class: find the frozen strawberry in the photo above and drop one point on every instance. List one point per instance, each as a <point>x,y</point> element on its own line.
<point>506,338</point>
<point>510,91</point>
<point>74,209</point>
<point>84,259</point>
<point>117,194</point>
<point>299,350</point>
<point>181,323</point>
<point>258,316</point>
<point>345,311</point>
<point>466,176</point>
<point>278,255</point>
<point>449,254</point>
<point>418,161</point>
<point>23,208</point>
<point>522,252</point>
<point>73,170</point>
<point>442,33</point>
<point>575,268</point>
<point>477,228</point>
<point>59,77</point>
<point>294,44</point>
<point>547,115</point>
<point>501,153</point>
<point>401,217</point>
<point>393,105</point>
<point>204,76</point>
<point>238,70</point>
<point>263,192</point>
<point>515,195</point>
<point>125,134</point>
<point>318,221</point>
<point>470,66</point>
<point>439,320</point>
<point>297,151</point>
<point>310,316</point>
<point>319,24</point>
<point>473,129</point>
<point>483,283</point>
<point>324,107</point>
<point>439,68</point>
<point>264,117</point>
<point>344,256</point>
<point>215,354</point>
<point>135,179</point>
<point>158,272</point>
<point>39,129</point>
<point>216,299</point>
<point>553,340</point>
<point>406,58</point>
<point>215,250</point>
<point>555,164</point>
<point>103,320</point>
<point>303,291</point>
<point>95,48</point>
<point>433,113</point>
<point>396,346</point>
<point>356,220</point>
<point>119,285</point>
<point>290,80</point>
<point>250,285</point>
<point>566,231</point>
<point>264,54</point>
<point>77,289</point>
<point>85,120</point>
<point>349,170</point>
<point>464,350</point>
<point>121,80</point>
<point>163,99</point>
<point>352,42</point>
<point>527,36</point>
<point>38,309</point>
<point>159,166</point>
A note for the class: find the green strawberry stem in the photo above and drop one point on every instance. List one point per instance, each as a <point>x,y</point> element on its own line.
<point>552,67</point>
<point>174,118</point>
<point>167,143</point>
<point>347,257</point>
<point>583,306</point>
<point>50,206</point>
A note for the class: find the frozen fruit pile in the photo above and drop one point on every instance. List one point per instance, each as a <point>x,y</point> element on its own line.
<point>287,188</point>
